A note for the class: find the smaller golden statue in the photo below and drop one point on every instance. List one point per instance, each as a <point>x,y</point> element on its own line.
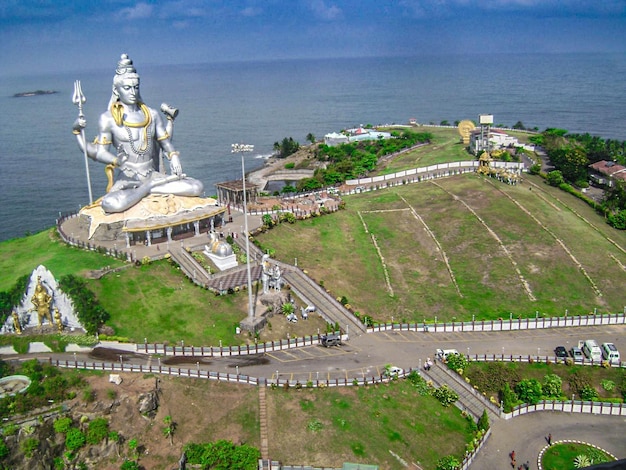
<point>42,301</point>
<point>57,318</point>
<point>16,323</point>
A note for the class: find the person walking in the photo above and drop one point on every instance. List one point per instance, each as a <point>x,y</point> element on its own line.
<point>550,439</point>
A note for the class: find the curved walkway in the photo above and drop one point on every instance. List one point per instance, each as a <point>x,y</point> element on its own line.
<point>527,435</point>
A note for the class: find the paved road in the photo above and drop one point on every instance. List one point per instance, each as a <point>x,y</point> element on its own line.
<point>527,436</point>
<point>365,355</point>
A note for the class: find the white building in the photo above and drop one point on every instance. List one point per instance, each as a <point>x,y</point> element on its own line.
<point>354,135</point>
<point>497,140</point>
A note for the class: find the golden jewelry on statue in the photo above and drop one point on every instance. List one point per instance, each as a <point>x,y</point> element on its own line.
<point>171,154</point>
<point>105,141</point>
<point>166,136</point>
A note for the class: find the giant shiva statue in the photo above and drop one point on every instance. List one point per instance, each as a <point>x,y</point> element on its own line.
<point>138,135</point>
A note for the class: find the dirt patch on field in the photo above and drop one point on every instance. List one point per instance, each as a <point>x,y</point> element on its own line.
<point>202,410</point>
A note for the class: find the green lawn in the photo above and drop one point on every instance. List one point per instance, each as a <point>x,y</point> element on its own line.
<point>21,256</point>
<point>462,246</point>
<point>562,456</point>
<point>445,147</point>
<point>159,303</point>
<point>326,427</point>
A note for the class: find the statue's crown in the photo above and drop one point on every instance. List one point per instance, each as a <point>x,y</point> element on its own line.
<point>125,65</point>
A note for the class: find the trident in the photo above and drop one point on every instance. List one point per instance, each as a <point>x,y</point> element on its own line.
<point>78,99</point>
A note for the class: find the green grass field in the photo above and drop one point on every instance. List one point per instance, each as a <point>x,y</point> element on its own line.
<point>562,456</point>
<point>446,147</point>
<point>454,248</point>
<point>326,427</point>
<point>20,256</point>
<point>462,246</point>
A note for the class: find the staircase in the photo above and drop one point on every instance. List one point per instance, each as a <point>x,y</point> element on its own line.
<point>470,400</point>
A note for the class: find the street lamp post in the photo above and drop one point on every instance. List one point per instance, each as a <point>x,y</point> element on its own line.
<point>243,148</point>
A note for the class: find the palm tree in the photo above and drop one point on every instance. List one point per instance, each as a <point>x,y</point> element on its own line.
<point>168,430</point>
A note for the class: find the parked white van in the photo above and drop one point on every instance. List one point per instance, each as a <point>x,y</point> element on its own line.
<point>610,352</point>
<point>592,351</point>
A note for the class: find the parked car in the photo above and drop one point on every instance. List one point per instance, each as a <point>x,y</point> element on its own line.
<point>577,354</point>
<point>393,371</point>
<point>592,350</point>
<point>331,340</point>
<point>444,353</point>
<point>560,352</point>
<point>610,352</point>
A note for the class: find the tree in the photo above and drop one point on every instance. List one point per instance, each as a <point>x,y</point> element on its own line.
<point>483,421</point>
<point>615,196</point>
<point>555,178</point>
<point>617,220</point>
<point>445,122</point>
<point>133,444</point>
<point>288,308</point>
<point>519,125</point>
<point>286,147</point>
<point>310,138</point>
<point>535,169</point>
<point>168,430</point>
<point>90,313</point>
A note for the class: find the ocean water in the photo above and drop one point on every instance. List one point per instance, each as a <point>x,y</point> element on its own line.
<point>43,172</point>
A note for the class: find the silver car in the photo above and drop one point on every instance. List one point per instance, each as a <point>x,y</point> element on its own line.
<point>577,354</point>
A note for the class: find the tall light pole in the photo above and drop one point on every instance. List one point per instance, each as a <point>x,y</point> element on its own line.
<point>243,148</point>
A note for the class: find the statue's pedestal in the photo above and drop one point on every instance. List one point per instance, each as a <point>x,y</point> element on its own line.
<point>222,262</point>
<point>253,325</point>
<point>155,212</point>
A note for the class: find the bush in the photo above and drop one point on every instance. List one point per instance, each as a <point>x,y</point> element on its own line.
<point>222,454</point>
<point>588,393</point>
<point>449,462</point>
<point>4,449</point>
<point>608,385</point>
<point>445,395</point>
<point>74,439</point>
<point>28,446</point>
<point>62,425</point>
<point>457,362</point>
<point>552,386</point>
<point>529,391</point>
<point>97,431</point>
<point>129,465</point>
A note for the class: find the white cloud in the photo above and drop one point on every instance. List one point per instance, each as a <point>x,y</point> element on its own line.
<point>251,11</point>
<point>139,12</point>
<point>323,11</point>
<point>559,8</point>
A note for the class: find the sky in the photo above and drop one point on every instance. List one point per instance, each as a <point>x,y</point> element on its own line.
<point>47,36</point>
